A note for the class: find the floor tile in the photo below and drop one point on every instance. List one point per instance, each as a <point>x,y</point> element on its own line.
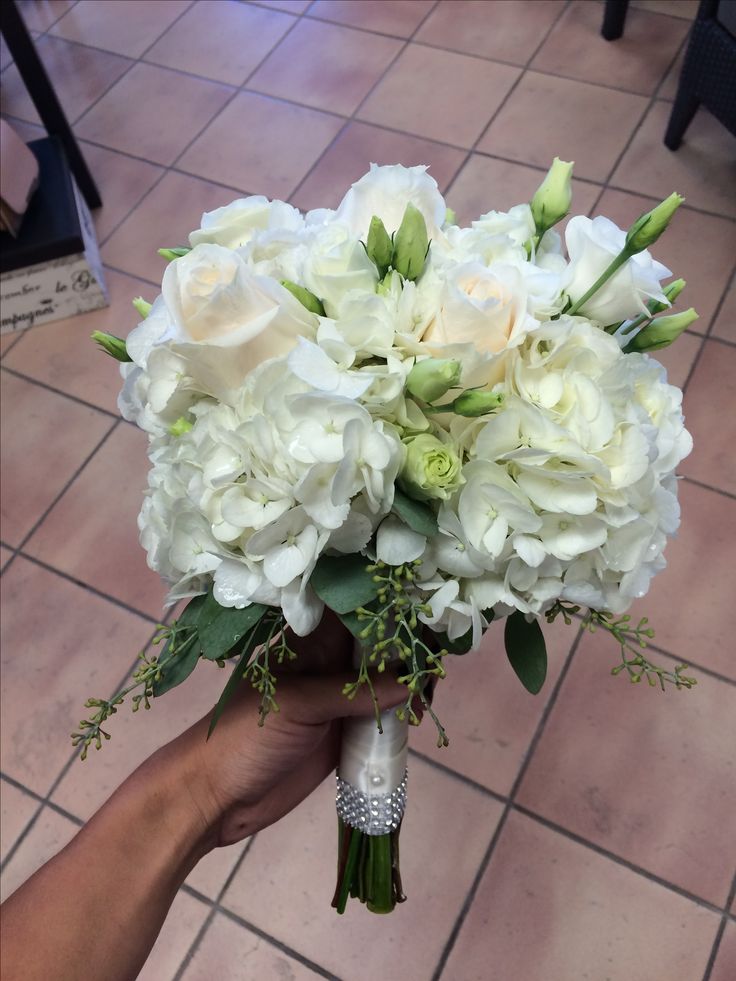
<point>595,121</point>
<point>39,15</point>
<point>134,736</point>
<point>221,41</point>
<point>359,145</point>
<point>125,26</point>
<point>231,951</point>
<point>182,924</point>
<point>46,437</point>
<point>227,152</point>
<point>703,168</point>
<point>548,908</point>
<point>709,406</point>
<point>725,965</point>
<point>698,626</point>
<point>686,9</point>
<point>27,131</point>
<point>62,354</point>
<point>7,341</point>
<point>290,6</point>
<point>679,357</point>
<point>696,247</point>
<point>439,94</point>
<point>17,810</point>
<point>325,66</point>
<point>486,184</point>
<point>293,865</point>
<point>724,325</point>
<point>50,833</point>
<point>5,556</point>
<point>400,17</point>
<point>5,57</point>
<point>635,62</point>
<point>122,182</point>
<point>161,220</point>
<point>171,109</point>
<point>79,75</point>
<point>508,31</point>
<point>210,875</point>
<point>82,647</point>
<point>489,717</point>
<point>668,89</point>
<point>611,761</point>
<point>117,473</point>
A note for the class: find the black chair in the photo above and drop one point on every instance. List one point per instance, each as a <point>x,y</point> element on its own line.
<point>708,74</point>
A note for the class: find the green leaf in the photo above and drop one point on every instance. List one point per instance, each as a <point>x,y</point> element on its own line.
<point>258,635</point>
<point>461,645</point>
<point>179,667</point>
<point>354,625</point>
<point>420,517</point>
<point>343,582</point>
<point>526,650</point>
<point>221,627</point>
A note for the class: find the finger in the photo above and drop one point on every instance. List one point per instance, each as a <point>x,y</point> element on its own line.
<point>315,700</point>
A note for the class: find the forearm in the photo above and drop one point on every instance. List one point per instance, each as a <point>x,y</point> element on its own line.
<point>96,909</point>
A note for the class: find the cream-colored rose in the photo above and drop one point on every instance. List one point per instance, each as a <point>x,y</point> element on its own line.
<point>236,224</point>
<point>482,308</point>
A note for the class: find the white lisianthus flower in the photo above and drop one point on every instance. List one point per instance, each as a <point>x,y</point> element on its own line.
<point>385,192</point>
<point>337,265</point>
<point>592,245</point>
<point>236,224</point>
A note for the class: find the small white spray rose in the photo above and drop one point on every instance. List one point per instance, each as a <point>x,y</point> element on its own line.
<point>385,192</point>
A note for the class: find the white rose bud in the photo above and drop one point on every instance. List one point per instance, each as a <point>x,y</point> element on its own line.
<point>431,469</point>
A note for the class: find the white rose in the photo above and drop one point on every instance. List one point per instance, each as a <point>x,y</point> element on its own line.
<point>592,246</point>
<point>481,307</point>
<point>235,224</point>
<point>336,265</point>
<point>386,191</point>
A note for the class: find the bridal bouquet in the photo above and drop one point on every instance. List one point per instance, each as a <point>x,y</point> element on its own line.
<point>423,427</point>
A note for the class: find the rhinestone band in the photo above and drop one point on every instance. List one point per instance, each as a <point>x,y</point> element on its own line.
<point>374,814</point>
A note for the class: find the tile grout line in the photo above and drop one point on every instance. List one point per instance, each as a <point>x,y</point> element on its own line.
<point>517,81</point>
<point>199,936</point>
<point>405,43</point>
<point>699,483</point>
<point>488,855</point>
<point>719,932</point>
<point>56,391</point>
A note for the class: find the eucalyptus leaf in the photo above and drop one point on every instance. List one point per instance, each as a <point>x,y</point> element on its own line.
<point>257,636</point>
<point>526,650</point>
<point>420,517</point>
<point>343,582</point>
<point>221,627</point>
<point>178,668</point>
<point>460,645</point>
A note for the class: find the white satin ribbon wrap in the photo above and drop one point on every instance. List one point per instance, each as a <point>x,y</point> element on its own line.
<point>371,777</point>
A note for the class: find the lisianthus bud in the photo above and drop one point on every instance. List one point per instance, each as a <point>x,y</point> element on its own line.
<point>476,403</point>
<point>142,306</point>
<point>172,254</point>
<point>430,379</point>
<point>552,200</point>
<point>307,299</point>
<point>411,244</point>
<point>114,346</point>
<point>646,229</point>
<point>431,469</point>
<point>662,331</point>
<point>379,246</point>
<point>450,217</point>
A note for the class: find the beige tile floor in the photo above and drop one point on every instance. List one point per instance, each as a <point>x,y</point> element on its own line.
<point>586,833</point>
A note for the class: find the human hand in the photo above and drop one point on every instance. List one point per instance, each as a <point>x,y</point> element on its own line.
<point>246,777</point>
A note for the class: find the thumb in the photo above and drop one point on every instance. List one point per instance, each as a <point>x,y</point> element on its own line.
<point>314,700</point>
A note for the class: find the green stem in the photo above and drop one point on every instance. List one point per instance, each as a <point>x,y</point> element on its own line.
<point>621,259</point>
<point>344,891</point>
<point>380,899</point>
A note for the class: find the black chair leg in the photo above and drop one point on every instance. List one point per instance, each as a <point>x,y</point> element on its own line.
<point>613,19</point>
<point>685,107</point>
<point>41,91</point>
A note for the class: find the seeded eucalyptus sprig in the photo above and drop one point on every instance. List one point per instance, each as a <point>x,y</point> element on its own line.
<point>632,640</point>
